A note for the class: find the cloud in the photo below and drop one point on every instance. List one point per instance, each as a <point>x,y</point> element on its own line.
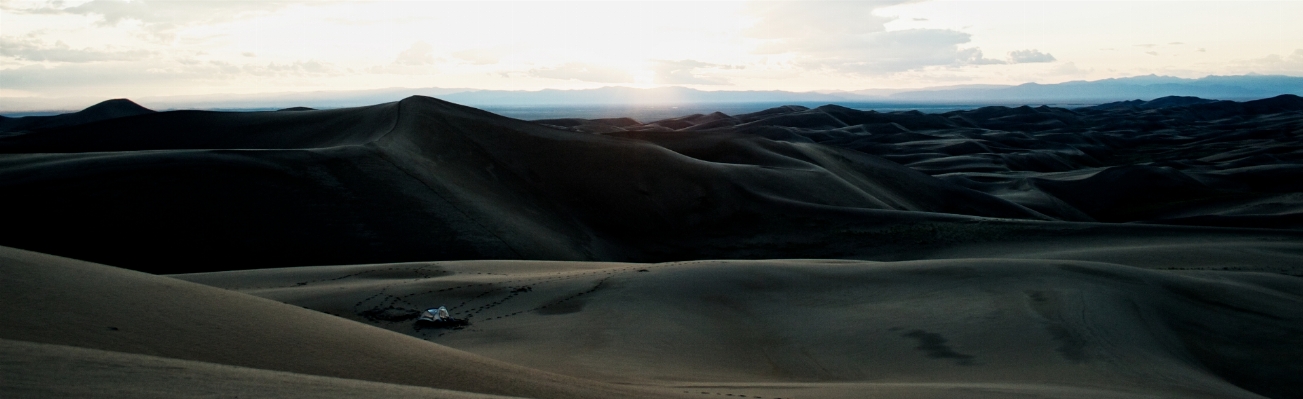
<point>162,17</point>
<point>827,20</point>
<point>847,37</point>
<point>685,72</point>
<point>585,72</point>
<point>135,76</point>
<point>420,53</point>
<point>1070,68</point>
<point>289,69</point>
<point>29,49</point>
<point>680,72</point>
<point>1275,64</point>
<point>417,59</point>
<point>479,56</point>
<point>1029,56</point>
<point>897,51</point>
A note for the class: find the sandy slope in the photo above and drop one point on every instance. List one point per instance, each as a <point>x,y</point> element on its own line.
<point>980,328</point>
<point>815,328</point>
<point>970,291</point>
<point>1173,160</point>
<point>420,180</point>
<point>32,370</point>
<point>423,179</point>
<point>59,301</point>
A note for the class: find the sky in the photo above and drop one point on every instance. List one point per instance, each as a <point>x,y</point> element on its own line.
<point>119,48</point>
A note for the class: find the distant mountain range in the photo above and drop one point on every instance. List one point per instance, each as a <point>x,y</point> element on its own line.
<point>1242,87</point>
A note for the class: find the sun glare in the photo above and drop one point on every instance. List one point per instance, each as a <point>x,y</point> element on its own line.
<point>53,49</point>
<point>643,78</point>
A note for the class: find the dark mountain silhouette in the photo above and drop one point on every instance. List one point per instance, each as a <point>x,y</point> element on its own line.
<point>110,109</point>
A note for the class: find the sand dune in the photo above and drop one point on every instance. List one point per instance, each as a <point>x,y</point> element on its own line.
<point>59,301</point>
<point>33,370</point>
<point>1132,250</point>
<point>781,328</point>
<point>425,180</point>
<point>819,328</point>
<point>1173,160</point>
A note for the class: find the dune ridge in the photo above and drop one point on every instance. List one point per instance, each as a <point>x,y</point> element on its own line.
<point>1131,250</point>
<point>35,370</point>
<point>1216,163</point>
<point>60,301</point>
<point>424,179</point>
<point>840,327</point>
<point>764,329</point>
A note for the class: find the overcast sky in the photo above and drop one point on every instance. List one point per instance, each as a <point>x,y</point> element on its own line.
<point>115,48</point>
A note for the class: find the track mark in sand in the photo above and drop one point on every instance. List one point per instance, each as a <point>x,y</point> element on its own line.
<point>934,345</point>
<point>513,288</point>
<point>511,294</point>
<point>422,272</point>
<point>1049,306</point>
<point>731,394</point>
<point>569,304</point>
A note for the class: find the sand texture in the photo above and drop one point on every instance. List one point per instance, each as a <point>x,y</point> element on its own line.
<point>33,370</point>
<point>841,328</point>
<point>60,301</point>
<point>778,328</point>
<point>1129,250</point>
<point>423,179</point>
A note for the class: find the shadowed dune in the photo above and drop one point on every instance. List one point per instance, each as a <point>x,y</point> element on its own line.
<point>1131,250</point>
<point>1172,160</point>
<point>841,327</point>
<point>60,301</point>
<point>424,179</point>
<point>35,370</point>
<point>985,328</point>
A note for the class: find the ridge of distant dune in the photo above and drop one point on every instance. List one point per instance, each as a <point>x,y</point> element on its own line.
<point>425,179</point>
<point>1135,250</point>
<point>60,301</point>
<point>1033,156</point>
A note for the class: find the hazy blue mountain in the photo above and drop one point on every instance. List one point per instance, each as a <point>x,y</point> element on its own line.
<point>1244,87</point>
<point>553,102</point>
